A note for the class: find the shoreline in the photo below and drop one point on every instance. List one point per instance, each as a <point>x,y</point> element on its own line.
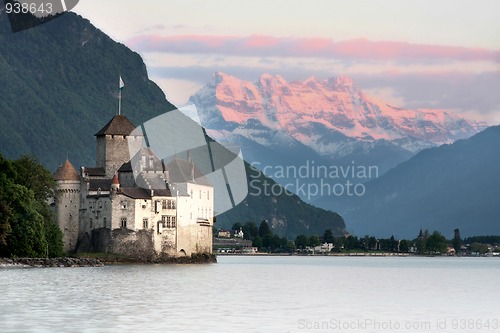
<point>101,261</point>
<point>49,262</point>
<point>355,254</point>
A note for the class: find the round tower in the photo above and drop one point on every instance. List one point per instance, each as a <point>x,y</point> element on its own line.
<point>115,184</point>
<point>68,204</point>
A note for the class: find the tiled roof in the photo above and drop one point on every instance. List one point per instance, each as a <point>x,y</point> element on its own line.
<point>182,171</point>
<point>126,167</point>
<point>93,172</point>
<point>119,125</point>
<point>115,180</point>
<point>102,184</point>
<point>141,193</point>
<point>66,172</point>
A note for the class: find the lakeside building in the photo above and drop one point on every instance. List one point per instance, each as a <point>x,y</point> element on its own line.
<point>132,202</point>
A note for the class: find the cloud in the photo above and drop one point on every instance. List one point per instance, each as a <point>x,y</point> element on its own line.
<point>269,46</point>
<point>468,93</point>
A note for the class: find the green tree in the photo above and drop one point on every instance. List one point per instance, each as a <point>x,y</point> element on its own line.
<point>237,226</point>
<point>479,248</point>
<point>257,242</point>
<point>27,227</point>
<point>436,243</point>
<point>328,236</point>
<point>393,244</point>
<point>302,241</point>
<point>264,229</point>
<point>314,241</point>
<point>290,247</point>
<point>32,175</point>
<point>404,245</point>
<point>421,243</point>
<point>457,242</point>
<point>250,230</point>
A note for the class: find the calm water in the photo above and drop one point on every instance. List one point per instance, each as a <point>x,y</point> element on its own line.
<point>258,294</point>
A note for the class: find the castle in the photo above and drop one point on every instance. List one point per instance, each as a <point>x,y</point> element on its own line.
<point>132,202</point>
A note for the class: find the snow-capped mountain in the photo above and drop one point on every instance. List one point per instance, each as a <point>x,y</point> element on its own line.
<point>322,115</point>
<point>327,121</point>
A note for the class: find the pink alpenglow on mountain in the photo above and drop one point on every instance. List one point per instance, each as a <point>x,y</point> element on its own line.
<point>314,111</point>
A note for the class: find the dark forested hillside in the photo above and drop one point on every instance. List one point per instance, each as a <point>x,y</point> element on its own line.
<point>443,188</point>
<point>59,85</point>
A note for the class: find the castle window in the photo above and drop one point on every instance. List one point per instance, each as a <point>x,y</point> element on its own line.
<point>91,223</point>
<point>104,222</point>
<point>173,222</point>
<point>164,204</point>
<point>91,205</point>
<point>171,204</point>
<point>100,204</point>
<point>123,205</point>
<point>123,222</point>
<point>145,223</point>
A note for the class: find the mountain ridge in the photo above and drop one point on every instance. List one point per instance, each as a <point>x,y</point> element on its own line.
<point>335,104</point>
<point>452,186</point>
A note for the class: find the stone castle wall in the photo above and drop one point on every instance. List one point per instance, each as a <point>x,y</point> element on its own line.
<point>67,212</point>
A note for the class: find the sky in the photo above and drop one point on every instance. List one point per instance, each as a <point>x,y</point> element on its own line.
<point>417,54</point>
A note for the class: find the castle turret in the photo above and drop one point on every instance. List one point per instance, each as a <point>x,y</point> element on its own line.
<point>68,204</point>
<point>115,184</point>
<point>114,144</point>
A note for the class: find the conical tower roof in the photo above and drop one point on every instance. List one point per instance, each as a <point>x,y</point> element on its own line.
<point>66,172</point>
<point>118,125</point>
<point>115,180</point>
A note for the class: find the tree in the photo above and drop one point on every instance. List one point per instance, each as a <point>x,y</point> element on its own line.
<point>250,230</point>
<point>479,248</point>
<point>32,175</point>
<point>436,243</point>
<point>237,226</point>
<point>257,242</point>
<point>264,229</point>
<point>290,247</point>
<point>27,227</point>
<point>302,241</point>
<point>328,236</point>
<point>404,245</point>
<point>393,244</point>
<point>421,242</point>
<point>372,243</point>
<point>457,242</point>
<point>314,241</point>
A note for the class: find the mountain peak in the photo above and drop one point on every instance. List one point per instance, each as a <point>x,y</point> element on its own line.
<point>310,111</point>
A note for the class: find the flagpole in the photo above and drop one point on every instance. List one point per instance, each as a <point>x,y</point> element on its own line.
<point>120,88</point>
<point>119,101</point>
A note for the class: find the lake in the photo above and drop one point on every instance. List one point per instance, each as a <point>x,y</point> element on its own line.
<point>258,294</point>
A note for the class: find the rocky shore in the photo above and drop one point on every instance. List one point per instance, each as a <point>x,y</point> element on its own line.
<point>199,258</point>
<point>202,258</point>
<point>49,262</point>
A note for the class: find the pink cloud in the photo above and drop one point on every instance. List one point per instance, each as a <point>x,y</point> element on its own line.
<point>258,45</point>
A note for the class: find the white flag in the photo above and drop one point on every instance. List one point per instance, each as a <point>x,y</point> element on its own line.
<point>121,83</point>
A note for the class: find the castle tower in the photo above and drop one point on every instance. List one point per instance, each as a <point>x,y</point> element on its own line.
<point>114,142</point>
<point>115,184</point>
<point>68,204</point>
